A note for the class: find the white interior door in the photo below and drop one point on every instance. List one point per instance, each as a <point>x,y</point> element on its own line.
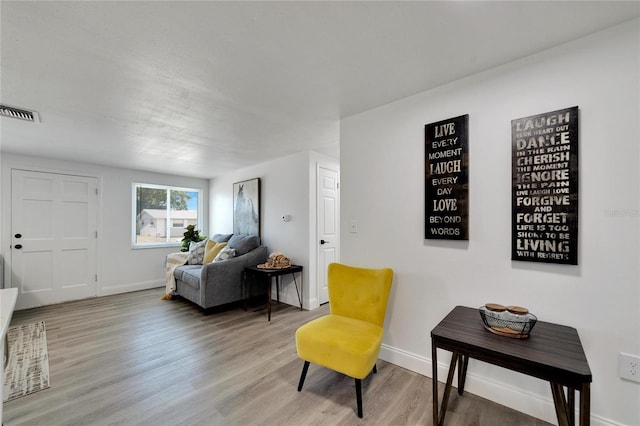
<point>328,226</point>
<point>53,237</point>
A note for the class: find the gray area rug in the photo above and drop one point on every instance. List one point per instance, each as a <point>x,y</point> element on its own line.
<point>27,368</point>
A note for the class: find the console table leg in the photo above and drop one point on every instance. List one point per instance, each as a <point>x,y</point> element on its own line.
<point>447,387</point>
<point>585,404</point>
<point>462,373</point>
<point>298,292</point>
<point>561,404</point>
<point>571,405</point>
<point>434,380</point>
<point>269,299</point>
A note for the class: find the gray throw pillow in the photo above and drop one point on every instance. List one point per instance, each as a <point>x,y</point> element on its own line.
<point>225,254</point>
<point>243,243</point>
<point>221,238</point>
<point>196,252</point>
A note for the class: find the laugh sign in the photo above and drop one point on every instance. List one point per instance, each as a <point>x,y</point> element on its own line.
<point>545,187</point>
<point>447,179</point>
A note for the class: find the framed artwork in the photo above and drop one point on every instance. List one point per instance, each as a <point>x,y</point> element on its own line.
<point>246,207</point>
<point>446,181</point>
<point>545,187</point>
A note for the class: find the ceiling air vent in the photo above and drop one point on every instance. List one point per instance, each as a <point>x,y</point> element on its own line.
<point>20,114</point>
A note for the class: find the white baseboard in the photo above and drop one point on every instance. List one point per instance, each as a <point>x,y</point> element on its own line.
<point>314,303</point>
<point>535,405</point>
<point>289,296</point>
<point>129,287</point>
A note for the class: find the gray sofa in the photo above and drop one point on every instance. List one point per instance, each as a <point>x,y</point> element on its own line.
<point>220,282</point>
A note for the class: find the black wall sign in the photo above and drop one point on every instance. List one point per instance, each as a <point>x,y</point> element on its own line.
<point>545,187</point>
<point>447,179</point>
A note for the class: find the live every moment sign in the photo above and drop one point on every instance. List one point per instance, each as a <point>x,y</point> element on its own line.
<point>545,187</point>
<point>447,179</point>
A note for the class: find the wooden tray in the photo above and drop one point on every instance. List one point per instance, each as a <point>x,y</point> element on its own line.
<point>264,266</point>
<point>507,332</point>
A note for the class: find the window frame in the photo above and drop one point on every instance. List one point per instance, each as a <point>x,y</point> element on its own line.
<point>134,189</point>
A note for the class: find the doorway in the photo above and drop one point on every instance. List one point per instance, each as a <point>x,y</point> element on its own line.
<point>53,237</point>
<point>328,216</point>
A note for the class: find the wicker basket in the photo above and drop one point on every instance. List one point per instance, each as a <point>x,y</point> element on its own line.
<point>276,261</point>
<point>511,321</point>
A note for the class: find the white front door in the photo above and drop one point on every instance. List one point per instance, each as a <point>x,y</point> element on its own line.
<point>53,237</point>
<point>328,226</point>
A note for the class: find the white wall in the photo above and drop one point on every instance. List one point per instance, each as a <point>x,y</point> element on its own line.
<point>287,187</point>
<point>120,268</point>
<point>382,168</point>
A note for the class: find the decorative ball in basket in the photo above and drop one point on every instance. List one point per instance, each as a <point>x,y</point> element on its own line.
<point>509,321</point>
<point>276,260</point>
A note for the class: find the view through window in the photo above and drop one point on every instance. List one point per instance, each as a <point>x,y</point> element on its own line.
<point>162,213</point>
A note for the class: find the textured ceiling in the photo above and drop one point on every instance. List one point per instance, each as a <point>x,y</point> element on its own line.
<point>203,88</point>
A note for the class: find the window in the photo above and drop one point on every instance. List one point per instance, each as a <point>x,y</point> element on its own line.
<point>162,213</point>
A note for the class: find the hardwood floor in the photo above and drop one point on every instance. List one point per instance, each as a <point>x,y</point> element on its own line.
<point>133,359</point>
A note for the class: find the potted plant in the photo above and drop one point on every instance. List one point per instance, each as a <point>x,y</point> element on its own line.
<point>191,234</point>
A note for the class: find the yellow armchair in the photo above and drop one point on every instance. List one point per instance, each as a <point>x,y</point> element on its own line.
<point>348,340</point>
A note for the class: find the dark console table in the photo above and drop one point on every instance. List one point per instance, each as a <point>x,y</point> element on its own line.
<point>552,352</point>
<point>266,275</point>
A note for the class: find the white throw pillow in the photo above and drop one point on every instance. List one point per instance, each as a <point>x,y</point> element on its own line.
<point>196,252</point>
<point>225,254</point>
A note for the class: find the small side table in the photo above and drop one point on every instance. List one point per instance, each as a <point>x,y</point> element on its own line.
<point>265,276</point>
<point>553,353</point>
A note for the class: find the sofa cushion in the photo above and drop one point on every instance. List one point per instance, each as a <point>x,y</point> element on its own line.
<point>179,271</point>
<point>221,238</point>
<point>211,250</point>
<point>225,254</point>
<point>196,252</point>
<point>191,277</point>
<point>243,243</point>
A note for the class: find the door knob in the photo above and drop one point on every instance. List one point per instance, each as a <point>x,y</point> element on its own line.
<point>324,242</point>
<point>18,235</point>
<point>18,246</point>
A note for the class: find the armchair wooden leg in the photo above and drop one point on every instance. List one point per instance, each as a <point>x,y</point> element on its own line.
<point>359,396</point>
<point>375,369</point>
<point>303,375</point>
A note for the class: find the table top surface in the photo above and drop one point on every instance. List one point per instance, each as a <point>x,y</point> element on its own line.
<point>280,271</point>
<point>552,350</point>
